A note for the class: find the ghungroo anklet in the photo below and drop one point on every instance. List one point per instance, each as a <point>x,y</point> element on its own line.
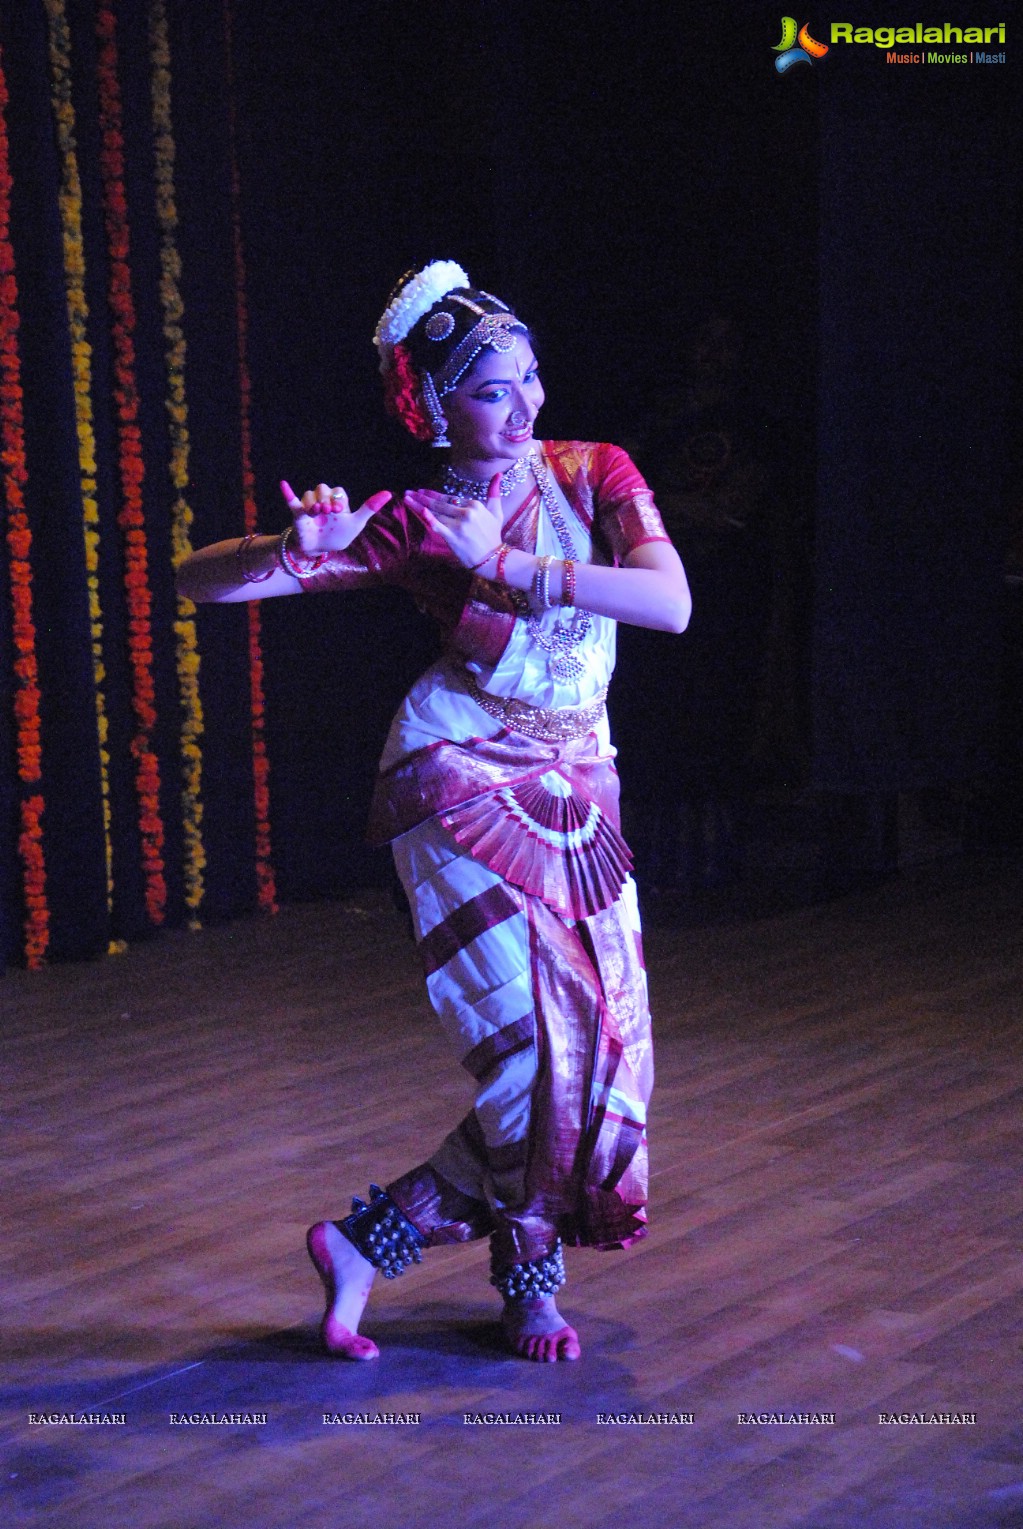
<point>527,1282</point>
<point>385,1238</point>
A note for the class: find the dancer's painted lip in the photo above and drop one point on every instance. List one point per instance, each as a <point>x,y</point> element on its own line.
<point>518,436</point>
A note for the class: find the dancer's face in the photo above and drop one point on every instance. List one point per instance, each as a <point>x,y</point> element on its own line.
<point>491,412</point>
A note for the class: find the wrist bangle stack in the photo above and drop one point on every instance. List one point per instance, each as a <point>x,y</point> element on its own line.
<point>290,563</point>
<point>542,582</point>
<point>502,558</point>
<point>247,574</point>
<point>567,582</point>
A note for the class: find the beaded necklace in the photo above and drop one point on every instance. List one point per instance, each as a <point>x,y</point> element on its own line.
<point>478,488</point>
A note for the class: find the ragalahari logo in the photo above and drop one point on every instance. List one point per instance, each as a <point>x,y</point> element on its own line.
<point>796,46</point>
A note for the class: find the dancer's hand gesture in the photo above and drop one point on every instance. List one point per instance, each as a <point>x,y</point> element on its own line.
<point>471,527</point>
<point>323,520</point>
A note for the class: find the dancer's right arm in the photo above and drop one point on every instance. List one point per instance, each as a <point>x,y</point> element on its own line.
<point>322,522</point>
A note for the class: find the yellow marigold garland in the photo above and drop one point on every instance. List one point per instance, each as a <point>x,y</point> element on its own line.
<point>266,890</point>
<point>19,548</point>
<point>131,464</point>
<point>70,203</point>
<point>186,648</point>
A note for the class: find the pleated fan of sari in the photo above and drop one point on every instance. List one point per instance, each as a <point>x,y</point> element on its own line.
<point>543,836</point>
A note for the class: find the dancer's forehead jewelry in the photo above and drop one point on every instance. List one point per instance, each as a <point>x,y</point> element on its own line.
<point>495,330</point>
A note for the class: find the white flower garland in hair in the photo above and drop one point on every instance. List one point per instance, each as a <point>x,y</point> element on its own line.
<point>416,297</point>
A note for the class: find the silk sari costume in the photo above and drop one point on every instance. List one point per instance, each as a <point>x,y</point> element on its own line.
<point>507,840</point>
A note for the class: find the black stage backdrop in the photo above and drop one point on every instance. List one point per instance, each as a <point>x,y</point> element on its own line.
<point>205,208</point>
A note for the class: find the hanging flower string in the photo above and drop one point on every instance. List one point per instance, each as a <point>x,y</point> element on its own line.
<point>70,204</point>
<point>131,466</point>
<point>266,891</point>
<point>19,549</point>
<point>186,642</point>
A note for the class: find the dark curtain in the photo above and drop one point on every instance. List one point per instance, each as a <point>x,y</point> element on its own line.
<point>917,390</point>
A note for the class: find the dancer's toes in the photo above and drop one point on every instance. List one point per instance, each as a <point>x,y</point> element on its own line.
<point>536,1330</point>
<point>347,1278</point>
<point>567,1345</point>
<point>564,1344</point>
<point>548,1348</point>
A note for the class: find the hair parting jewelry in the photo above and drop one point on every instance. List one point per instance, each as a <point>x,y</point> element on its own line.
<point>246,572</point>
<point>289,562</point>
<point>493,329</point>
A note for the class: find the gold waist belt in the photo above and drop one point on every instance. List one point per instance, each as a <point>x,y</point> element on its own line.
<point>552,724</point>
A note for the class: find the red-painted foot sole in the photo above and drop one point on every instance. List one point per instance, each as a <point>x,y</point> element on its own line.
<point>338,1340</point>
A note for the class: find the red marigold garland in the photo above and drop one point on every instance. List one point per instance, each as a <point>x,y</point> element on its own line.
<point>266,890</point>
<point>19,548</point>
<point>131,465</point>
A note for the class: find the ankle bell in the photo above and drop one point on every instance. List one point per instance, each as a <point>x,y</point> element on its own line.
<point>529,1281</point>
<point>382,1234</point>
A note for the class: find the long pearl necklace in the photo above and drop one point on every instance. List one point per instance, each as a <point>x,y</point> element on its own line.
<point>558,641</point>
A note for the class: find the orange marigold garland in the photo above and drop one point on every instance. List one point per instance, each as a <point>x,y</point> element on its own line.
<point>19,548</point>
<point>187,647</point>
<point>266,891</point>
<point>131,466</point>
<point>70,204</point>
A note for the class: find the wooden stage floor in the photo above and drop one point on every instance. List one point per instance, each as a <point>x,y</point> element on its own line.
<point>837,1211</point>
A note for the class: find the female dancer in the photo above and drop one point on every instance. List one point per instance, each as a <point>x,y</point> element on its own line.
<point>498,791</point>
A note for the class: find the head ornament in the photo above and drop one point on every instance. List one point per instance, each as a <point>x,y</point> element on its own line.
<point>426,288</point>
<point>412,302</point>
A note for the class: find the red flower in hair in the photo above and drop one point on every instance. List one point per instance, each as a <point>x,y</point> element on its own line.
<point>403,396</point>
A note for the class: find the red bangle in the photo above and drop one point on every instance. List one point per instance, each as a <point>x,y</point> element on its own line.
<point>502,556</point>
<point>240,551</point>
<point>567,582</point>
<point>475,567</point>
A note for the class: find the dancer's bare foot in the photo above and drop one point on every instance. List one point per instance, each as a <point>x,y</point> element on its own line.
<point>347,1278</point>
<point>537,1330</point>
